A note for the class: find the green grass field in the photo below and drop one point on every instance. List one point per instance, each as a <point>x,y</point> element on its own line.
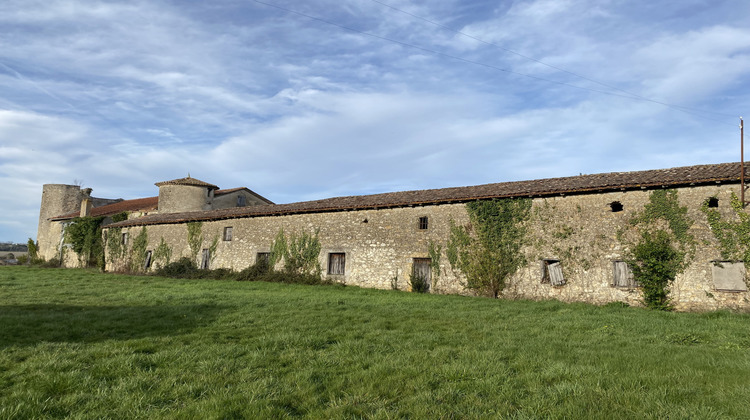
<point>80,344</point>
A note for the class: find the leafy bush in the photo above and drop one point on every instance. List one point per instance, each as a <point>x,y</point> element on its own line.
<point>418,283</point>
<point>254,272</point>
<point>655,265</point>
<point>184,268</point>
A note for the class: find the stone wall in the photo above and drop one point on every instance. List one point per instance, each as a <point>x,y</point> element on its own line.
<point>182,198</point>
<point>580,231</point>
<point>57,199</point>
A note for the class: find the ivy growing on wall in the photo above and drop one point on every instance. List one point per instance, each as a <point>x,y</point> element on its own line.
<point>434,250</point>
<point>195,238</point>
<point>487,250</point>
<point>115,248</point>
<point>84,235</point>
<point>137,255</point>
<point>733,235</point>
<point>659,245</point>
<point>299,252</point>
<point>162,254</point>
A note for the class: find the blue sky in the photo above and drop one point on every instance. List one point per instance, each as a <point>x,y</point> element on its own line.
<point>322,98</point>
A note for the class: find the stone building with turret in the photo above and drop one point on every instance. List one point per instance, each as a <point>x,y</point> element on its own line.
<point>576,234</point>
<point>62,203</point>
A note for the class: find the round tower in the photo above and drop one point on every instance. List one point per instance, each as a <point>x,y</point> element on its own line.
<point>57,200</point>
<point>185,194</point>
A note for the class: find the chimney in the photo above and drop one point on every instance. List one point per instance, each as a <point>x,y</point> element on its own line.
<point>86,202</point>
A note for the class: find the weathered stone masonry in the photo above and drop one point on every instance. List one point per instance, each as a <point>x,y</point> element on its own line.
<point>573,221</point>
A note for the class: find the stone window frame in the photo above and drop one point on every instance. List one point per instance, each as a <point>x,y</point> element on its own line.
<point>227,236</point>
<point>336,264</point>
<point>551,272</point>
<point>423,223</point>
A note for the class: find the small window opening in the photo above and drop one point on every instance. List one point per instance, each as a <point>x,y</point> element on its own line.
<point>337,263</point>
<point>712,202</point>
<point>616,206</point>
<point>205,258</point>
<point>124,239</point>
<point>552,272</point>
<point>147,262</point>
<point>241,201</point>
<point>422,224</point>
<point>364,221</point>
<point>228,233</point>
<point>264,257</point>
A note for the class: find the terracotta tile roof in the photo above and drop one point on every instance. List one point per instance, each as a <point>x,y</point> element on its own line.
<point>583,184</point>
<point>138,204</point>
<point>188,181</point>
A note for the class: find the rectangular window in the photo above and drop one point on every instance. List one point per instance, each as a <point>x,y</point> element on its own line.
<point>205,258</point>
<point>552,272</point>
<point>729,276</point>
<point>337,263</point>
<point>263,256</point>
<point>622,275</point>
<point>147,262</point>
<point>124,239</point>
<point>228,233</point>
<point>422,223</point>
<point>241,201</point>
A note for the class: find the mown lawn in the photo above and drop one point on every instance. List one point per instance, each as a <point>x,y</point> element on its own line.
<point>80,344</point>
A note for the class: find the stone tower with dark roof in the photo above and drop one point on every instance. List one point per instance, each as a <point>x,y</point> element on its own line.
<point>184,195</point>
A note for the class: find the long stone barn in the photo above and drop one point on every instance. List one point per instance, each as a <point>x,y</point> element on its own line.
<point>574,238</point>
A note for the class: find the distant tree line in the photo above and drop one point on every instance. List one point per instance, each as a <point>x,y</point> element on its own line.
<point>11,247</point>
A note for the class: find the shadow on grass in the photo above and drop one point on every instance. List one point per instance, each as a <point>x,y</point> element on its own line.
<point>31,324</point>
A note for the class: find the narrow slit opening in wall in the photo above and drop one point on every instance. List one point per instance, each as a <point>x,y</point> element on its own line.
<point>552,272</point>
<point>615,206</point>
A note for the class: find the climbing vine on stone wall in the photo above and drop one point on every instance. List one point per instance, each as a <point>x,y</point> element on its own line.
<point>299,252</point>
<point>659,245</point>
<point>195,238</point>
<point>434,250</point>
<point>115,248</point>
<point>137,254</point>
<point>84,235</point>
<point>487,250</point>
<point>162,254</point>
<point>733,235</point>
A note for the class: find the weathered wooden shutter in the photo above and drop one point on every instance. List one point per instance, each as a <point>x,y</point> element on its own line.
<point>729,276</point>
<point>147,262</point>
<point>337,263</point>
<point>422,268</point>
<point>555,273</point>
<point>205,258</point>
<point>623,275</point>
